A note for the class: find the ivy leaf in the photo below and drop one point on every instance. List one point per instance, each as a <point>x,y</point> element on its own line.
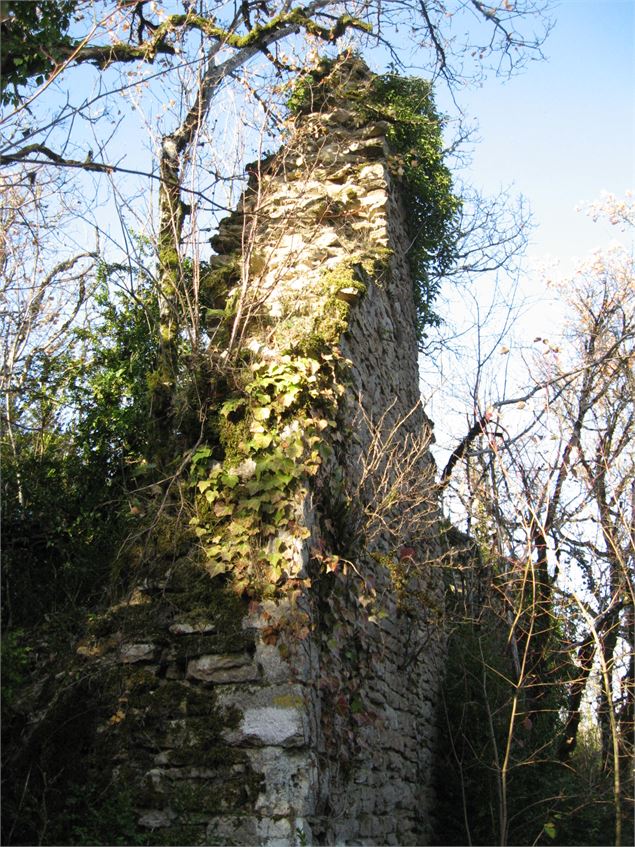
<point>230,406</point>
<point>251,504</point>
<point>260,441</point>
<point>231,480</point>
<point>294,450</point>
<point>332,563</point>
<point>217,568</point>
<point>275,573</point>
<point>550,829</point>
<point>201,454</point>
<point>289,397</point>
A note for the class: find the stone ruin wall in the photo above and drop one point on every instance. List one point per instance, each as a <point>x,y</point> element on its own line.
<point>339,775</point>
<point>309,717</point>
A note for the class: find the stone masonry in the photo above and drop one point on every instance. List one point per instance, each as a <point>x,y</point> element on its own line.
<point>343,732</point>
<point>305,715</point>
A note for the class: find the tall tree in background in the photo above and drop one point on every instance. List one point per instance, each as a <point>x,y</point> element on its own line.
<point>547,484</point>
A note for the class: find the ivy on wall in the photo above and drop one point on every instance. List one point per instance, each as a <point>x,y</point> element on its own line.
<point>247,515</point>
<point>268,434</point>
<point>265,424</point>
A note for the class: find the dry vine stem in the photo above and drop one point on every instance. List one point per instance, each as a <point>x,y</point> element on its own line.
<point>396,477</point>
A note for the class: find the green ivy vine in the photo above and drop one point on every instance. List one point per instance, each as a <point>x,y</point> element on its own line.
<point>414,136</point>
<point>33,37</point>
<point>272,438</point>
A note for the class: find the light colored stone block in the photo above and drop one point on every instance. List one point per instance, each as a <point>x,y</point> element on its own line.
<point>131,653</point>
<point>273,726</point>
<point>223,668</point>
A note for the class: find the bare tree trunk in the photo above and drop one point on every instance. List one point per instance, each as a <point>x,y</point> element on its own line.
<point>626,717</point>
<point>569,740</point>
<point>609,642</point>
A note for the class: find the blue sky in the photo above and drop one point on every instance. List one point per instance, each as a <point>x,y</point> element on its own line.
<point>564,130</point>
<point>561,134</point>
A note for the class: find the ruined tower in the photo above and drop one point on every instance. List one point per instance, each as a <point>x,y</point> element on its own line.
<point>276,681</point>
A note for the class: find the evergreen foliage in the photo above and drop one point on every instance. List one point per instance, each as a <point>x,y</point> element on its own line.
<point>83,433</point>
<point>414,135</point>
<point>32,37</point>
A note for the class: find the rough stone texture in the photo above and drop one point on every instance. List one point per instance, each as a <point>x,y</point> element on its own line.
<point>342,728</point>
<point>306,718</point>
